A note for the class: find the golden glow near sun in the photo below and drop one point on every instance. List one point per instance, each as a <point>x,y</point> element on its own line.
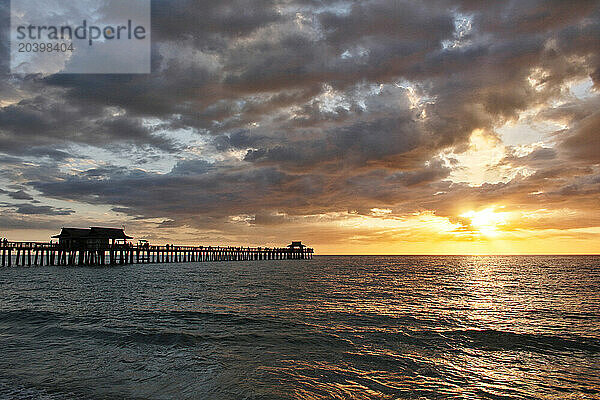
<point>488,222</point>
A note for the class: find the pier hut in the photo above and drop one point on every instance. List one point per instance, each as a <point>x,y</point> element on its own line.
<point>93,238</point>
<point>296,250</point>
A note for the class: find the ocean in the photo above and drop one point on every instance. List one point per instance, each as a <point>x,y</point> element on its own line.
<point>352,327</point>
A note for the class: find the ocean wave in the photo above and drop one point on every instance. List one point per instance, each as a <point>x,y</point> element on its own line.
<point>491,339</point>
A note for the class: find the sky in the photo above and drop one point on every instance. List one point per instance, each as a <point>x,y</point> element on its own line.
<point>358,127</point>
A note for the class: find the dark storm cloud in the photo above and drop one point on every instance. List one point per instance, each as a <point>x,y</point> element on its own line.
<point>328,106</point>
<point>529,16</point>
<point>211,22</point>
<point>283,56</point>
<point>34,126</point>
<point>20,195</point>
<point>27,222</point>
<point>433,172</point>
<point>31,209</point>
<point>268,219</point>
<point>376,41</point>
<point>393,19</point>
<point>584,143</point>
<point>165,92</point>
<point>581,140</point>
<point>192,187</point>
<point>355,145</point>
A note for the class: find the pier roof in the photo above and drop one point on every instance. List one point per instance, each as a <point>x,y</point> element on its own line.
<point>73,233</point>
<point>93,232</point>
<point>112,233</point>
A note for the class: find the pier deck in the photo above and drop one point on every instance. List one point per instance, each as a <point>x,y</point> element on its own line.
<point>43,253</point>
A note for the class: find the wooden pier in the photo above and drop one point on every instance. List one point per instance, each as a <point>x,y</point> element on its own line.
<point>47,253</point>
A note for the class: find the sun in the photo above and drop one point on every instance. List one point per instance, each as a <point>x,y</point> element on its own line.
<point>487,221</point>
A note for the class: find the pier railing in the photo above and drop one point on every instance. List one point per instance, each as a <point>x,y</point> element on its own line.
<point>48,253</point>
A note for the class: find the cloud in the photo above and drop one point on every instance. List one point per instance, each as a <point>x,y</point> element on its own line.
<point>20,195</point>
<point>267,113</point>
<point>584,142</point>
<point>50,125</point>
<point>30,209</point>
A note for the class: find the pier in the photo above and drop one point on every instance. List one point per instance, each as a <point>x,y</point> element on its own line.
<point>41,253</point>
<point>91,247</point>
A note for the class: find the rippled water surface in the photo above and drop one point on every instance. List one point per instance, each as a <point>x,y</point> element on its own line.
<point>332,327</point>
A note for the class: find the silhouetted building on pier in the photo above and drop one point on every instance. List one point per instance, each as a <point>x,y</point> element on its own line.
<point>93,238</point>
